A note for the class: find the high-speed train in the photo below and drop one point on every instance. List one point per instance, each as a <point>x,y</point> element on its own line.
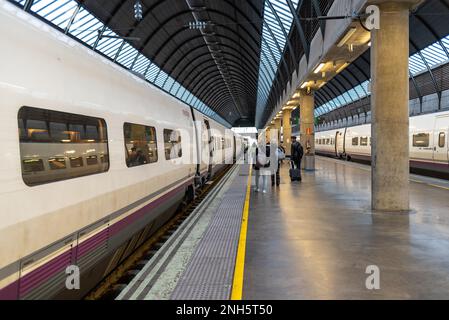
<point>94,159</point>
<point>428,143</point>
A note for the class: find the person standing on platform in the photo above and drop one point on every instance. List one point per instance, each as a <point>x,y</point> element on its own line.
<point>275,176</point>
<point>262,167</point>
<point>297,153</point>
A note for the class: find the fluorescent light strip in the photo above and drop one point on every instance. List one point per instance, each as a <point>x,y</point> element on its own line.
<point>318,69</point>
<point>344,65</point>
<point>347,36</point>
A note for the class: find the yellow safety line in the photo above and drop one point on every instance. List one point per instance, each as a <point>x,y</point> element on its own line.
<point>430,184</point>
<point>437,186</point>
<point>413,180</point>
<point>237,285</point>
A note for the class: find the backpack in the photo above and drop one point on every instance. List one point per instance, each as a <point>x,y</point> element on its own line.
<point>262,159</point>
<point>280,154</point>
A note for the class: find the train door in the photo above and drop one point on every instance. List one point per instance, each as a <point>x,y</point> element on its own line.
<point>224,148</point>
<point>210,145</point>
<point>340,143</point>
<point>440,138</point>
<point>336,143</point>
<point>234,158</point>
<point>198,140</point>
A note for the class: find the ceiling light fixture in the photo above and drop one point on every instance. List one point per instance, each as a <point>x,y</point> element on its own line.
<point>318,69</point>
<point>347,36</point>
<point>138,11</point>
<point>344,65</point>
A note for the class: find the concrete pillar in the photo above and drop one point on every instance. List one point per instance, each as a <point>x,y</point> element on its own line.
<point>306,130</point>
<point>389,101</point>
<point>287,131</point>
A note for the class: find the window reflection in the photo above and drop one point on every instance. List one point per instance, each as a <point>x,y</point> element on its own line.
<point>140,144</point>
<point>57,145</point>
<point>172,144</point>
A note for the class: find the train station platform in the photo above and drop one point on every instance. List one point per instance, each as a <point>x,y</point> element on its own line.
<point>198,261</point>
<point>304,240</point>
<point>315,239</point>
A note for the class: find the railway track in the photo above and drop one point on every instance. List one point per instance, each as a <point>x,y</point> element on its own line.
<point>111,286</point>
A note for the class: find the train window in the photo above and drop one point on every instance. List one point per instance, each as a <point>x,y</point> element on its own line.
<point>140,144</point>
<point>172,141</point>
<point>91,160</point>
<point>76,162</point>
<point>421,140</point>
<point>92,133</point>
<point>328,141</point>
<point>58,131</point>
<point>51,139</point>
<point>32,165</point>
<point>363,141</point>
<point>77,132</point>
<point>355,141</point>
<point>37,130</point>
<point>104,158</point>
<point>442,140</point>
<point>57,163</point>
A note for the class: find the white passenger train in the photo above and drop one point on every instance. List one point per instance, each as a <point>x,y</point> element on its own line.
<point>94,159</point>
<point>429,147</point>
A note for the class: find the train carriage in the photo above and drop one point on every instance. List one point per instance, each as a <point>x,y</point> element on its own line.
<point>428,143</point>
<point>95,160</point>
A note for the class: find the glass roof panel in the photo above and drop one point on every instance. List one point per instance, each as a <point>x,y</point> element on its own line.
<point>270,47</point>
<point>141,64</point>
<point>57,12</point>
<point>433,55</point>
<point>85,27</point>
<point>127,55</point>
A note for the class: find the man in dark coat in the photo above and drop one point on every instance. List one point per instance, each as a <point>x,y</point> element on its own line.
<point>297,153</point>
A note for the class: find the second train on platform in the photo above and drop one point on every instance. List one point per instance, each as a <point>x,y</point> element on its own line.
<point>428,143</point>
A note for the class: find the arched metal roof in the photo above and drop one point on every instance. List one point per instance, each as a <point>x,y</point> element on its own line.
<point>76,20</point>
<point>219,64</point>
<point>234,66</point>
<point>293,30</point>
<point>237,65</point>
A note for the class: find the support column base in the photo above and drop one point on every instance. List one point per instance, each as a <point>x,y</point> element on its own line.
<point>309,163</point>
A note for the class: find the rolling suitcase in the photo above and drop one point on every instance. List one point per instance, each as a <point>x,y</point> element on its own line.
<point>295,174</point>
